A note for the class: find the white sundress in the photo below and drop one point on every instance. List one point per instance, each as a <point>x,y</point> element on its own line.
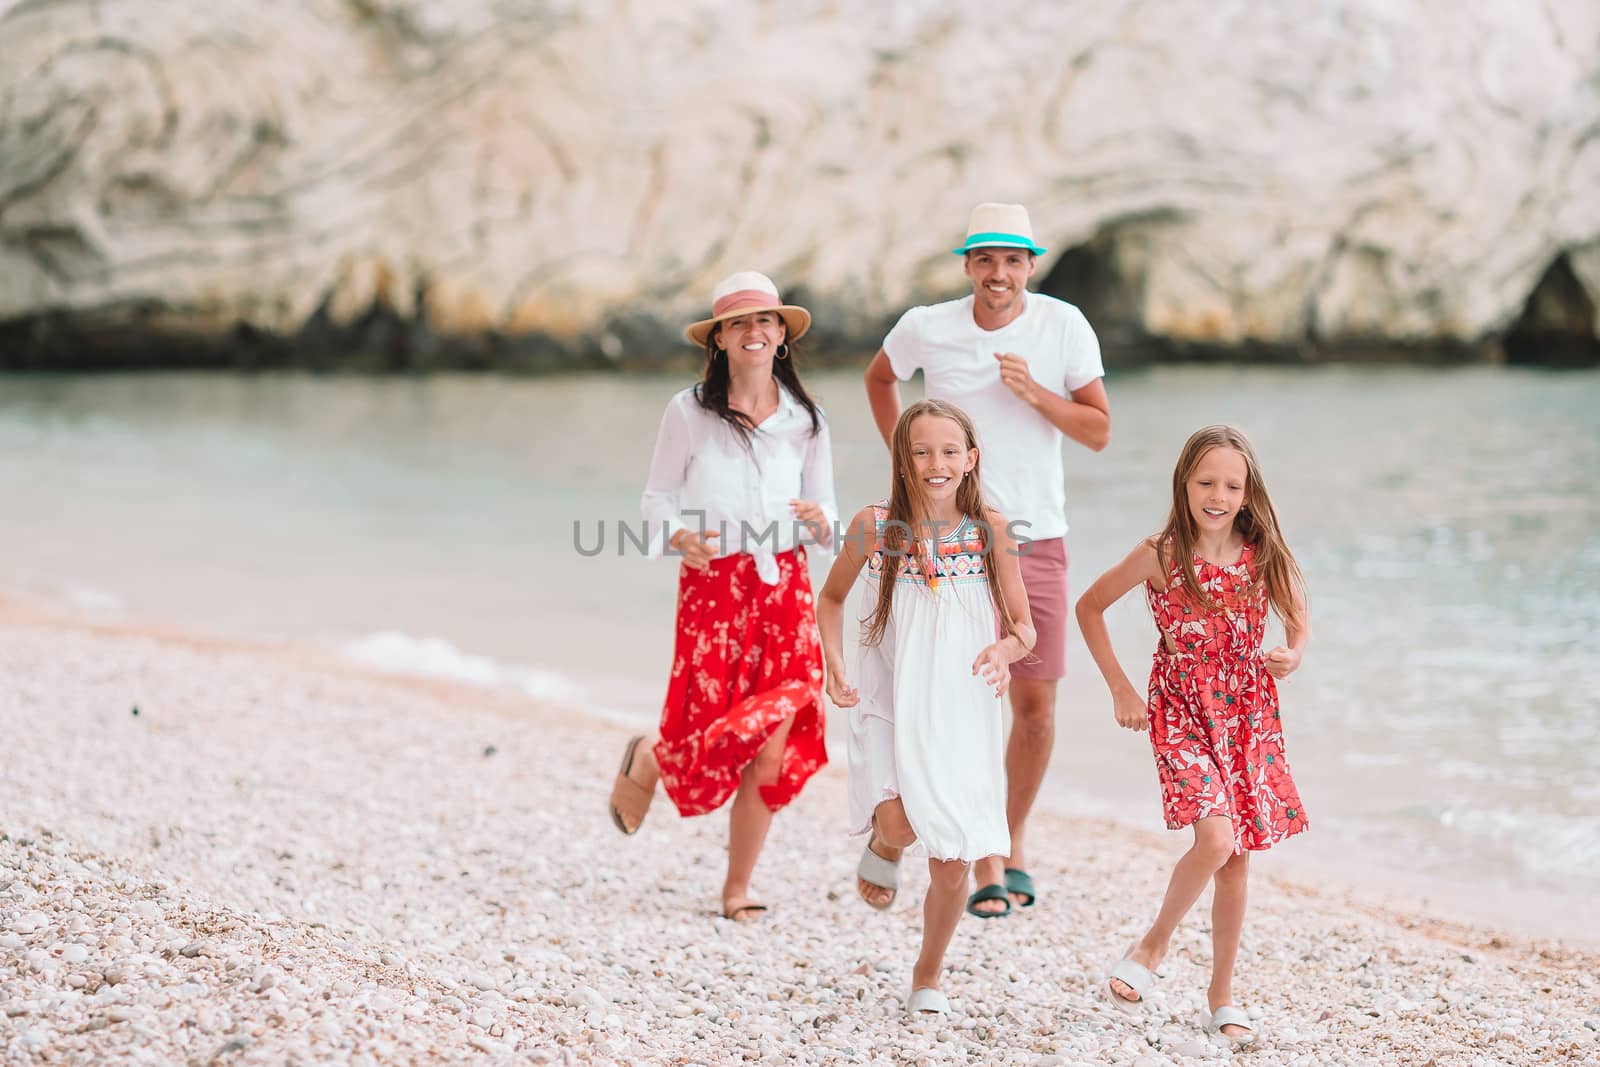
<point>927,729</point>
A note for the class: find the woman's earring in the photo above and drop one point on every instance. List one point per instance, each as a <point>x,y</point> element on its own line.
<point>783,350</point>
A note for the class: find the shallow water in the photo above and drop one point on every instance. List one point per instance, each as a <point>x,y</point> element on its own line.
<point>1445,729</point>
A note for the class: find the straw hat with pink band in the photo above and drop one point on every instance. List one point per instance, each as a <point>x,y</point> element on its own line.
<point>746,293</point>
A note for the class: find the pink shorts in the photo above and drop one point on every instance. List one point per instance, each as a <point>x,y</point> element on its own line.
<point>1044,576</point>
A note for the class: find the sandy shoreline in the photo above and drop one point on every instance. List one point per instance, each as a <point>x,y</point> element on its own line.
<point>285,859</point>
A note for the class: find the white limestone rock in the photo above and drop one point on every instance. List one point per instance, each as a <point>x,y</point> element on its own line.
<point>1245,172</point>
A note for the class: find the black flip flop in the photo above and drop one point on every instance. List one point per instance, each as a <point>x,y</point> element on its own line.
<point>1020,882</point>
<point>989,892</point>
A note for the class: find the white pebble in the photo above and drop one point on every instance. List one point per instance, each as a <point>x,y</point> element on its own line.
<point>30,921</point>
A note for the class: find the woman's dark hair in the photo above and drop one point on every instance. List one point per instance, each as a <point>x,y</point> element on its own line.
<point>712,389</point>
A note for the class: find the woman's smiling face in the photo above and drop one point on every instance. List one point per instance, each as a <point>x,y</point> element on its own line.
<point>752,340</point>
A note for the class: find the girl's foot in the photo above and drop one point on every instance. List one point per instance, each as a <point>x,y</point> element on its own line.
<point>1144,956</point>
<point>1218,999</point>
<point>1232,1023</point>
<point>921,981</point>
<point>925,1001</point>
<point>876,895</point>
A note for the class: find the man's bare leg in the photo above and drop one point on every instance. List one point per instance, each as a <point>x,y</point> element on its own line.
<point>1033,735</point>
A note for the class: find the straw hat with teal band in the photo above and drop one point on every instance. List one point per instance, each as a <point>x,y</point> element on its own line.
<point>999,226</point>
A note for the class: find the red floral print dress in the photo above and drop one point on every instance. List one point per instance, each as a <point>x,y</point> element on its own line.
<point>1214,720</point>
<point>747,657</point>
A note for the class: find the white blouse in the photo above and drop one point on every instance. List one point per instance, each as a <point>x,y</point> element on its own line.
<point>705,479</point>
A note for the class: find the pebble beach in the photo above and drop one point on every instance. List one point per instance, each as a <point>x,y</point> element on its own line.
<point>216,852</point>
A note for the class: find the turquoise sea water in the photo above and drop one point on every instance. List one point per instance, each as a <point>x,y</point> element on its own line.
<point>1445,728</point>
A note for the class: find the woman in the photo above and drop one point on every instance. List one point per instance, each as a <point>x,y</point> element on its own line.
<point>741,478</point>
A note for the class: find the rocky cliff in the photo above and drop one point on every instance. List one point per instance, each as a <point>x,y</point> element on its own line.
<point>516,182</point>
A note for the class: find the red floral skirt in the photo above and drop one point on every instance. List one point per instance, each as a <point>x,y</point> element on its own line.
<point>747,657</point>
<point>1219,750</point>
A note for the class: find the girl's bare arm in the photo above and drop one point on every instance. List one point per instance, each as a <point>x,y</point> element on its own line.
<point>1285,660</point>
<point>1139,566</point>
<point>857,543</point>
<point>1023,636</point>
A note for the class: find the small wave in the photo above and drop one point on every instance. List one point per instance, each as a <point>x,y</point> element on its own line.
<point>1543,842</point>
<point>434,657</point>
<point>68,594</point>
<point>1374,759</point>
<point>92,601</point>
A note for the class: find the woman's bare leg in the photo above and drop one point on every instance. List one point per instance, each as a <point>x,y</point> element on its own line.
<point>750,819</point>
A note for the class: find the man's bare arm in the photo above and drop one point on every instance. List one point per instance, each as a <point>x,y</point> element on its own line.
<point>1085,416</point>
<point>883,394</point>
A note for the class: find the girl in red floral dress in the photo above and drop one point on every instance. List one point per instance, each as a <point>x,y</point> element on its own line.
<point>1210,577</point>
<point>741,480</point>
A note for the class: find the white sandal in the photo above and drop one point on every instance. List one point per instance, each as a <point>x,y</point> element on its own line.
<point>1228,1015</point>
<point>873,869</point>
<point>1137,977</point>
<point>927,1001</point>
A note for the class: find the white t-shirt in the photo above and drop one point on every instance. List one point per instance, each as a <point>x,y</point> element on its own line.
<point>1019,449</point>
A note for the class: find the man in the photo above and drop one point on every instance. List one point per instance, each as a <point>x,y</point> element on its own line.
<point>1027,368</point>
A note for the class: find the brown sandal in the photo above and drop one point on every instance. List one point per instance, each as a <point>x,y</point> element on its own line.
<point>629,799</point>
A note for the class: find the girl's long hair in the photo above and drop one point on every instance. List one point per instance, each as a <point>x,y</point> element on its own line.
<point>906,501</point>
<point>1256,521</point>
<point>712,389</point>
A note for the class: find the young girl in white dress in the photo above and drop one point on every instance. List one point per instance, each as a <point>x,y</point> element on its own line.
<point>949,616</point>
